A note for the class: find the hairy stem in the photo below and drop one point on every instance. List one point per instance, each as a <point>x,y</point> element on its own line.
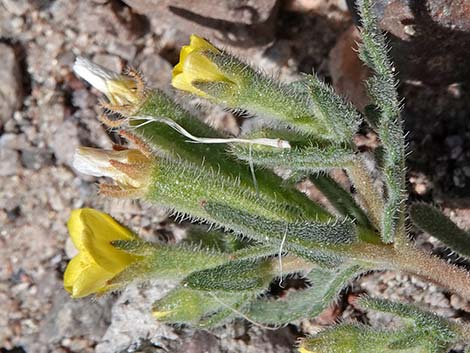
<point>408,258</point>
<point>291,264</point>
<point>369,196</point>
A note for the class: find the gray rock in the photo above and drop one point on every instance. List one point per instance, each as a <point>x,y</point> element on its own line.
<point>237,22</point>
<point>65,142</point>
<point>36,158</point>
<point>430,39</point>
<point>132,320</point>
<point>10,89</point>
<point>9,162</point>
<point>19,7</point>
<point>156,70</point>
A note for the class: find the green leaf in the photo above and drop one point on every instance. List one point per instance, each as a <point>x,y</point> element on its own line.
<point>199,308</point>
<point>352,338</point>
<point>341,200</point>
<point>382,89</point>
<point>340,115</point>
<point>217,240</point>
<point>307,303</point>
<point>435,223</point>
<point>425,324</point>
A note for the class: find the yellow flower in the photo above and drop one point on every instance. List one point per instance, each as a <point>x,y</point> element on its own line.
<point>195,66</point>
<point>97,261</point>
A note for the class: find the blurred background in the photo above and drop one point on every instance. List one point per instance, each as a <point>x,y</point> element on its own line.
<point>46,113</point>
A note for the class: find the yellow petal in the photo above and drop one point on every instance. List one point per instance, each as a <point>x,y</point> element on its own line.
<point>199,43</point>
<point>90,280</point>
<point>97,234</point>
<point>75,226</point>
<point>180,82</point>
<point>73,270</point>
<point>197,67</point>
<point>183,54</point>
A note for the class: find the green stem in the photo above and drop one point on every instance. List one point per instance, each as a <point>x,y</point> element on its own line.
<point>370,197</point>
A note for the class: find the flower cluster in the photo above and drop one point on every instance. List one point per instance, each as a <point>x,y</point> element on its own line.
<point>271,228</point>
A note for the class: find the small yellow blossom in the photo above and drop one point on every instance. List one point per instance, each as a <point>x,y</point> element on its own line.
<point>121,90</point>
<point>98,261</point>
<point>195,66</point>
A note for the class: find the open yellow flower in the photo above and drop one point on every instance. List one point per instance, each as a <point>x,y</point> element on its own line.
<point>195,66</point>
<point>98,261</point>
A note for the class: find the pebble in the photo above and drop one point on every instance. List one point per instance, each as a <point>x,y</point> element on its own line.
<point>9,162</point>
<point>10,88</point>
<point>65,142</point>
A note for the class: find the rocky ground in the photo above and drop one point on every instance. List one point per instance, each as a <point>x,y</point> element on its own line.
<point>46,112</point>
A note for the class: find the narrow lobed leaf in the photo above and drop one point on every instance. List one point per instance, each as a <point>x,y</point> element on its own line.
<point>432,221</point>
<point>307,303</point>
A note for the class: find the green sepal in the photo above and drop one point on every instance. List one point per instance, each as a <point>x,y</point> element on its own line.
<point>432,221</point>
<point>173,262</point>
<point>308,303</point>
<point>222,92</point>
<point>171,145</point>
<point>187,187</point>
<point>308,159</point>
<point>274,101</point>
<point>237,275</point>
<point>136,247</point>
<point>310,240</point>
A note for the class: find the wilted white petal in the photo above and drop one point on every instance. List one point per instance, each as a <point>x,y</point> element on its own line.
<point>119,89</point>
<point>94,74</point>
<point>96,162</point>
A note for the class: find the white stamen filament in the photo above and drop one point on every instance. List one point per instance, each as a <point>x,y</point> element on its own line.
<point>277,143</point>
